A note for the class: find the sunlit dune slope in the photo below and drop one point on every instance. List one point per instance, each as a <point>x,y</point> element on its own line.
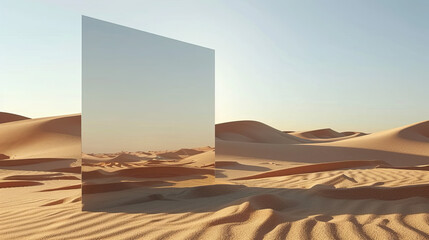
<point>410,139</point>
<point>253,131</point>
<point>404,146</point>
<point>50,137</point>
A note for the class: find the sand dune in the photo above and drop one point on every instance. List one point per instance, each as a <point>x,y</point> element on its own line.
<point>252,131</point>
<point>326,135</point>
<point>262,208</point>
<point>10,117</point>
<point>169,155</point>
<point>410,139</point>
<point>204,159</point>
<point>404,146</point>
<point>42,138</point>
<point>125,157</point>
<point>366,187</point>
<point>188,152</point>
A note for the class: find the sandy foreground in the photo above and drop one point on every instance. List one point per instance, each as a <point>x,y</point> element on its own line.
<point>269,184</point>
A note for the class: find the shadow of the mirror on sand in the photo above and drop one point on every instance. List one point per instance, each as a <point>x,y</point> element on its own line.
<point>239,166</point>
<point>290,204</point>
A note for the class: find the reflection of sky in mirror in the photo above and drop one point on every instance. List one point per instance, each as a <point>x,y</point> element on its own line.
<point>144,92</point>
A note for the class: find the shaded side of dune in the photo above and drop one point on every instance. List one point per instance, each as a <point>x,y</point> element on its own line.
<point>77,186</point>
<point>314,168</point>
<point>253,131</point>
<point>68,170</point>
<point>380,193</point>
<point>119,186</point>
<point>150,172</point>
<point>29,161</point>
<point>41,177</point>
<point>19,184</point>
<point>421,168</point>
<point>315,153</point>
<point>10,117</point>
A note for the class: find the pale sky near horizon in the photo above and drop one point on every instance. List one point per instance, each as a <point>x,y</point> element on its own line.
<point>40,48</point>
<point>294,65</point>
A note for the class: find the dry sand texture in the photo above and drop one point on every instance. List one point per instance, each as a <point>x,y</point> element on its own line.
<point>269,185</point>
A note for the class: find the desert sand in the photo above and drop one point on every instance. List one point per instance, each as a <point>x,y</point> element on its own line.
<point>270,184</point>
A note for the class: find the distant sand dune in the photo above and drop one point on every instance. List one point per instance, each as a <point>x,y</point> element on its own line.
<point>252,131</point>
<point>326,135</point>
<point>188,152</point>
<point>203,159</point>
<point>411,139</point>
<point>125,157</point>
<point>10,117</point>
<point>169,155</point>
<point>405,146</point>
<point>50,137</point>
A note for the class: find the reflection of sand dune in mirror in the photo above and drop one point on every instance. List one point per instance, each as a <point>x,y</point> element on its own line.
<point>380,195</point>
<point>126,177</point>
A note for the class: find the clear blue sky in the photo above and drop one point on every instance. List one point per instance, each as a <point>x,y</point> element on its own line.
<point>296,65</point>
